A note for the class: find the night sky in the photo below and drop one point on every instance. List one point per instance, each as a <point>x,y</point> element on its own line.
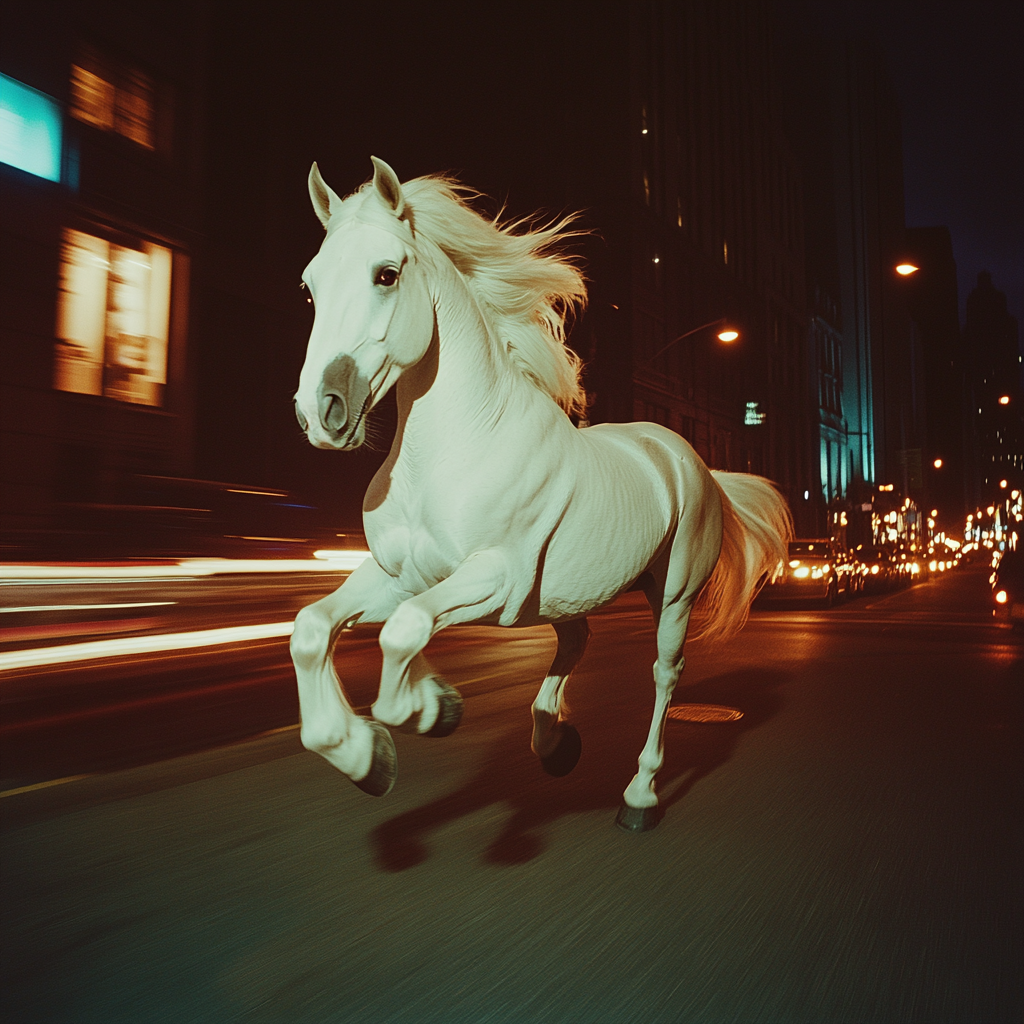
<point>957,68</point>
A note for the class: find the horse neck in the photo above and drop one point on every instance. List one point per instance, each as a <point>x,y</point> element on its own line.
<point>461,385</point>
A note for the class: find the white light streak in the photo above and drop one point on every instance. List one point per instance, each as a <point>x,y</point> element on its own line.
<point>85,607</point>
<point>325,561</point>
<point>132,645</point>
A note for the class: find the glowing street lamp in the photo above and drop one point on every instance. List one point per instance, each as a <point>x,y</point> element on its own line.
<point>728,334</point>
<point>1004,399</point>
<point>937,463</point>
<point>906,269</point>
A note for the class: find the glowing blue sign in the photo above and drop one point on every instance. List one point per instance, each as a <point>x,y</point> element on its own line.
<point>752,415</point>
<point>30,130</point>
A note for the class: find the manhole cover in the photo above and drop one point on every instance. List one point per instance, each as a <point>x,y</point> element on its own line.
<point>703,713</point>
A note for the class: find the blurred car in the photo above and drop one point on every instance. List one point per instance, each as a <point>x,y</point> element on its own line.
<point>818,570</point>
<point>878,570</point>
<point>1008,588</point>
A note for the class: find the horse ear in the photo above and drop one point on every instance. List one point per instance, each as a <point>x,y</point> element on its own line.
<point>322,195</point>
<point>388,187</point>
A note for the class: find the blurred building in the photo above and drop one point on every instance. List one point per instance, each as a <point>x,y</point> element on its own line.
<point>864,355</point>
<point>101,142</point>
<point>931,293</point>
<point>992,359</point>
<point>716,233</point>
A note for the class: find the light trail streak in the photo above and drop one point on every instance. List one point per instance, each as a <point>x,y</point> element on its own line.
<point>131,645</point>
<point>328,561</point>
<point>85,607</point>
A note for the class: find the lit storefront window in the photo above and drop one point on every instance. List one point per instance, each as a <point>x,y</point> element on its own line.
<point>113,315</point>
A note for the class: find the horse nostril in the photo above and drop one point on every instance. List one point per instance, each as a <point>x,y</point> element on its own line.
<point>303,422</point>
<point>333,411</point>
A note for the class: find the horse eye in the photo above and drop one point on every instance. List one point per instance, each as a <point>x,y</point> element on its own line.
<point>386,277</point>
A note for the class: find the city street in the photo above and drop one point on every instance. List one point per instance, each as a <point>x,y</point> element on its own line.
<point>848,850</point>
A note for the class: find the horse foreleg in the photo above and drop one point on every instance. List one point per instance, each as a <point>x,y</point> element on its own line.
<point>555,742</point>
<point>358,747</point>
<point>474,591</point>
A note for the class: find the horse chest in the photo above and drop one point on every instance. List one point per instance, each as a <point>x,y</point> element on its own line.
<point>409,554</point>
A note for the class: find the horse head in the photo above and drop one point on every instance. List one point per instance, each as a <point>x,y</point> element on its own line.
<point>374,310</point>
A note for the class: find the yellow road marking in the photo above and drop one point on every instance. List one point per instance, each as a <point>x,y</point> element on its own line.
<point>44,785</point>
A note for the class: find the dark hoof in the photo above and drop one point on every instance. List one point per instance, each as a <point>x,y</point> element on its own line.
<point>384,767</point>
<point>449,711</point>
<point>637,819</point>
<point>563,758</point>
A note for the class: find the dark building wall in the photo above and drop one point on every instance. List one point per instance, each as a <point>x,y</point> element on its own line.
<point>931,295</point>
<point>717,200</point>
<point>992,357</point>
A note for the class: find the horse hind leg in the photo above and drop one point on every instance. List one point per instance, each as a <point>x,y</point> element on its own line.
<point>556,742</point>
<point>639,811</point>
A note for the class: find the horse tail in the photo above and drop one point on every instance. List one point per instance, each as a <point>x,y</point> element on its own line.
<point>756,530</point>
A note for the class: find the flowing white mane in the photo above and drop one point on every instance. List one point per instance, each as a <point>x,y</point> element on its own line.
<point>524,286</point>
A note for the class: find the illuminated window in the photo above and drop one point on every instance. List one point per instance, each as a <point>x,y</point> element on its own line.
<point>114,98</point>
<point>113,315</point>
<point>30,130</point>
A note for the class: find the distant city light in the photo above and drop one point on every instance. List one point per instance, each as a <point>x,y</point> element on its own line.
<point>937,463</point>
<point>905,269</point>
<point>1002,483</point>
<point>1004,399</point>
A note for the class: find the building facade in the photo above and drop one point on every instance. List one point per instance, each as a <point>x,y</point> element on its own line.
<point>97,258</point>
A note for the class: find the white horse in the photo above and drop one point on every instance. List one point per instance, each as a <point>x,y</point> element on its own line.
<point>492,507</point>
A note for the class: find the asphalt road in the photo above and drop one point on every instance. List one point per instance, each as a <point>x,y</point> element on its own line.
<point>847,851</point>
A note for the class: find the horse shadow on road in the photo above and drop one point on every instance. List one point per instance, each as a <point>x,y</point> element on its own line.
<point>613,736</point>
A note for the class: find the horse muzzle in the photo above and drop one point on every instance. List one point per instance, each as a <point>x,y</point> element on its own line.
<point>341,404</point>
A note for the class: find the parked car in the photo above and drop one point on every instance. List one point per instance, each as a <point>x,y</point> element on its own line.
<point>818,570</point>
<point>1008,588</point>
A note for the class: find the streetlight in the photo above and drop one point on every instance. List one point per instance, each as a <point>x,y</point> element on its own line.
<point>1004,399</point>
<point>937,463</point>
<point>727,334</point>
<point>906,269</point>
